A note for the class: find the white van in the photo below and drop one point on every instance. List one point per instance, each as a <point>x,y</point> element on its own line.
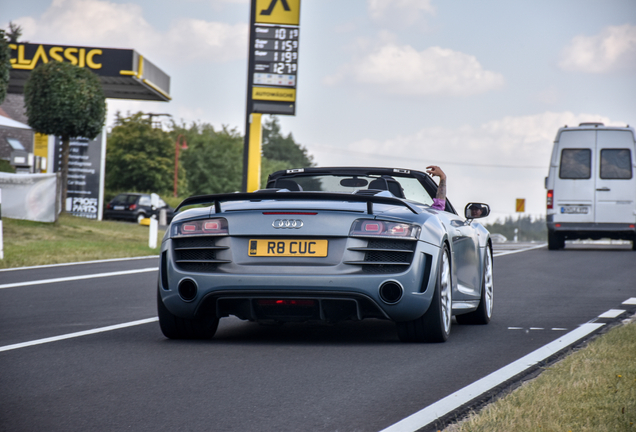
<point>591,184</point>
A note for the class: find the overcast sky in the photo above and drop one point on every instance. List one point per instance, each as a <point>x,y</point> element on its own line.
<point>477,87</point>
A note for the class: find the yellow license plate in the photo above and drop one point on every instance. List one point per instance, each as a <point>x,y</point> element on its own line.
<point>288,248</point>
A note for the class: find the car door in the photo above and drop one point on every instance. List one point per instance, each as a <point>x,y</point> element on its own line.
<point>574,183</point>
<point>615,182</point>
<point>465,250</point>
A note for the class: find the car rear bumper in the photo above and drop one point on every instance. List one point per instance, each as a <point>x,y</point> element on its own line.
<point>594,231</point>
<point>336,295</point>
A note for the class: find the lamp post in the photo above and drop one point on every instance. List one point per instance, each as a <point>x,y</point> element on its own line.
<point>179,143</point>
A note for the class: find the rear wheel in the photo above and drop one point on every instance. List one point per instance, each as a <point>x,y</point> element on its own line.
<point>435,324</point>
<point>174,327</point>
<point>555,241</point>
<point>483,313</point>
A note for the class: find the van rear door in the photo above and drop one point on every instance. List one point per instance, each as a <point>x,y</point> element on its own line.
<point>574,189</point>
<point>615,182</point>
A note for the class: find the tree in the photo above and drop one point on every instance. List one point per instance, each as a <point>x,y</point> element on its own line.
<point>140,158</point>
<point>280,148</point>
<point>213,161</point>
<point>67,101</point>
<point>5,65</point>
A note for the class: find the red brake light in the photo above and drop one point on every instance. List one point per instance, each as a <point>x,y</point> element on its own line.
<point>132,207</point>
<point>216,226</point>
<point>550,199</point>
<point>286,302</point>
<point>374,228</point>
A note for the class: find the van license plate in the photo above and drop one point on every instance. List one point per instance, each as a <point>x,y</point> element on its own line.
<point>288,248</point>
<point>575,209</point>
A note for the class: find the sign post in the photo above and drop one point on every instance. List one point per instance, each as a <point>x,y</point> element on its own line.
<point>272,75</point>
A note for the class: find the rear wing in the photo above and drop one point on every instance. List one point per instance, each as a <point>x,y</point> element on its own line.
<point>295,196</point>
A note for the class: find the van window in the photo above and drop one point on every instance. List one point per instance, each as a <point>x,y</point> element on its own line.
<point>616,164</point>
<point>576,164</point>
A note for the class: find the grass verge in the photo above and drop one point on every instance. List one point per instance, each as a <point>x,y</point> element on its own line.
<point>72,239</point>
<point>593,389</point>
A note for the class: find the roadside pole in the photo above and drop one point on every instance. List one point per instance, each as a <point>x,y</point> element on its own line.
<point>1,244</point>
<point>154,223</point>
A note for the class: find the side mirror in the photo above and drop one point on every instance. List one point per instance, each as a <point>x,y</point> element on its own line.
<point>476,210</point>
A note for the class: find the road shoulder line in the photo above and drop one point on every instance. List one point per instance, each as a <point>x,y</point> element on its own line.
<point>77,334</point>
<point>74,278</point>
<point>463,396</point>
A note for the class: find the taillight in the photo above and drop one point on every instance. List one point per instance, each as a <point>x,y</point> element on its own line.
<point>109,206</point>
<point>550,199</point>
<point>132,207</point>
<point>216,226</point>
<point>375,228</point>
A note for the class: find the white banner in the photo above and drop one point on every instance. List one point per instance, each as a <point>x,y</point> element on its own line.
<point>30,196</point>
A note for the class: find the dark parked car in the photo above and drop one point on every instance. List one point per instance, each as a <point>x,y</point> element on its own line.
<point>135,207</point>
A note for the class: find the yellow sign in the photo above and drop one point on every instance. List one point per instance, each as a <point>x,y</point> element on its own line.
<point>274,94</point>
<point>41,145</point>
<point>521,205</point>
<point>77,56</point>
<point>278,12</point>
<point>288,248</point>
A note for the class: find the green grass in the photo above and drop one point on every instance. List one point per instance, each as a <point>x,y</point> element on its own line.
<point>592,390</point>
<point>72,239</point>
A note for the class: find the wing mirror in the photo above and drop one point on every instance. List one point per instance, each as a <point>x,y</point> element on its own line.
<point>476,210</point>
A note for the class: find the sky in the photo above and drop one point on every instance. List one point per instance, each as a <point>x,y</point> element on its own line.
<point>479,88</point>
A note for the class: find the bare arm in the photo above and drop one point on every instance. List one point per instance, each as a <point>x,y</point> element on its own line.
<point>436,171</point>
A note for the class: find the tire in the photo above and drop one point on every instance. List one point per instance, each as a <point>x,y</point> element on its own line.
<point>435,324</point>
<point>140,217</point>
<point>174,327</point>
<point>555,241</point>
<point>483,313</point>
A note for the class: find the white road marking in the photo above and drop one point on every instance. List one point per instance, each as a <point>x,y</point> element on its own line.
<point>520,250</point>
<point>515,328</point>
<point>74,278</point>
<point>452,402</point>
<point>79,263</point>
<point>559,329</point>
<point>77,334</point>
<point>630,301</point>
<point>612,313</point>
<point>537,328</point>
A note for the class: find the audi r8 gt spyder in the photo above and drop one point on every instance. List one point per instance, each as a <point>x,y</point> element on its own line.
<point>327,244</point>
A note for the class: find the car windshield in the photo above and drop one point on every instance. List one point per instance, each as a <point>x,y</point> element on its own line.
<point>402,187</point>
<point>125,199</point>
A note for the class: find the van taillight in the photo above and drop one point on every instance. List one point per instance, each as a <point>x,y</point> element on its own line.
<point>550,199</point>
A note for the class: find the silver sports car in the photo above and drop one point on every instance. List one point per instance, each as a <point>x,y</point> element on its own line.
<point>327,244</point>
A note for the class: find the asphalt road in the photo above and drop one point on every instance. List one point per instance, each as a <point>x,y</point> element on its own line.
<point>353,376</point>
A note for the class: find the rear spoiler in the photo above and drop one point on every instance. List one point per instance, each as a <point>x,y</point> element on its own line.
<point>295,196</point>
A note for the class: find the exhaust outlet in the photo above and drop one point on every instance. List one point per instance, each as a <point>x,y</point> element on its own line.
<point>187,289</point>
<point>391,292</point>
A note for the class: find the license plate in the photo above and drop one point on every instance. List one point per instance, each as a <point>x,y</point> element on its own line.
<point>119,207</point>
<point>288,248</point>
<point>575,209</point>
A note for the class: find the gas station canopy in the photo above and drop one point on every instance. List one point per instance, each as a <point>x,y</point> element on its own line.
<point>124,73</point>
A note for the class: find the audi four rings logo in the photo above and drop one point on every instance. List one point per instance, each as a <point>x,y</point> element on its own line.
<point>287,223</point>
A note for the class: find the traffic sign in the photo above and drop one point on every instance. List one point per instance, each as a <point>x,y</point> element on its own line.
<point>278,12</point>
<point>521,205</point>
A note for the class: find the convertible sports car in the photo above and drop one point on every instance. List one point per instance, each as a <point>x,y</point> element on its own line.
<point>327,244</point>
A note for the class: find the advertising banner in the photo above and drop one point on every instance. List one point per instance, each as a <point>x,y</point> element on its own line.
<point>84,194</point>
<point>29,196</point>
